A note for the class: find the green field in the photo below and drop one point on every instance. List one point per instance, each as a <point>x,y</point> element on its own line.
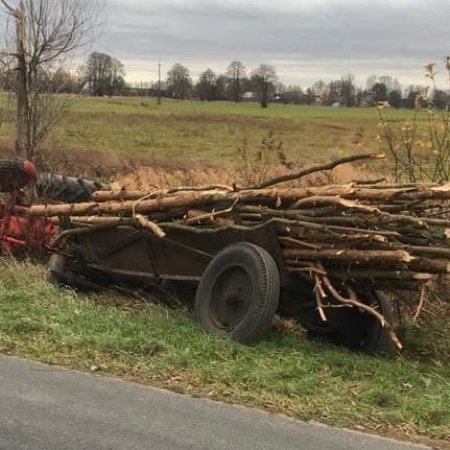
<point>209,131</point>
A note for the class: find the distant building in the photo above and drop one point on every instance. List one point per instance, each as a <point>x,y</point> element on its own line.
<point>249,96</point>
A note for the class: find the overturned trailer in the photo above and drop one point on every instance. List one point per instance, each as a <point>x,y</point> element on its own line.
<point>240,273</point>
<point>325,255</point>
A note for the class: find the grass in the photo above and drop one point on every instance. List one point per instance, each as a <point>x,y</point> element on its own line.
<point>407,396</point>
<point>209,131</point>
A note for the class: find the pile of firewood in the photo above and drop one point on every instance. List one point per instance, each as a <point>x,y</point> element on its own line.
<point>337,235</point>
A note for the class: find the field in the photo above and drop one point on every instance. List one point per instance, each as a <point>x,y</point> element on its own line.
<point>208,132</point>
<point>407,396</point>
<point>205,132</point>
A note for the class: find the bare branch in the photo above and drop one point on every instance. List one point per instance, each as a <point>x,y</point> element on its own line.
<point>422,295</point>
<point>310,170</point>
<point>47,33</point>
<point>10,9</point>
<point>353,301</point>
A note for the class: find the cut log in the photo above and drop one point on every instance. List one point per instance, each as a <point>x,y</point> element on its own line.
<point>349,255</point>
<point>188,200</point>
<point>123,195</point>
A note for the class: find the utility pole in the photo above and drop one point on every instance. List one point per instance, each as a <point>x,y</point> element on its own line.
<point>158,102</point>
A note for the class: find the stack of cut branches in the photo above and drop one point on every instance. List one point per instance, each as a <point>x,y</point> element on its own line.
<point>335,235</point>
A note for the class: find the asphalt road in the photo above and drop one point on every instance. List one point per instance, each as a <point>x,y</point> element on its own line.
<point>49,408</point>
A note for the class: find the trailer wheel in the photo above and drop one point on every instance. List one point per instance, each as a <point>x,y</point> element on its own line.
<point>238,294</point>
<point>59,274</point>
<point>354,329</point>
<point>377,339</point>
<point>55,269</point>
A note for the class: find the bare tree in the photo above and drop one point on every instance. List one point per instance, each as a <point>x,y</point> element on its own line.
<point>347,90</point>
<point>236,71</point>
<point>46,33</point>
<point>179,83</point>
<point>264,79</point>
<point>104,75</point>
<point>207,85</point>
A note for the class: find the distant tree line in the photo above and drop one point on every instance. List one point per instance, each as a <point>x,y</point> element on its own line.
<point>262,85</point>
<point>101,75</point>
<point>104,75</point>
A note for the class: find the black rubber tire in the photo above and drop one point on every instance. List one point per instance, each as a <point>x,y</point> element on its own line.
<point>52,186</point>
<point>378,340</point>
<point>59,274</point>
<point>353,329</point>
<point>257,271</point>
<point>56,268</point>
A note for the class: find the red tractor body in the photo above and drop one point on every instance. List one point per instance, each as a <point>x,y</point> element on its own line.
<point>20,233</point>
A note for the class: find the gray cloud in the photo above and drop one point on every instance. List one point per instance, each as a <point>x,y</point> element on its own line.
<point>306,40</point>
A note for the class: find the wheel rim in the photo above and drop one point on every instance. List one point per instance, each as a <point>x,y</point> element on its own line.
<point>230,298</point>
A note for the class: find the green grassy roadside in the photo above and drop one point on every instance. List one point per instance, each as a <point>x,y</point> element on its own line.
<point>407,396</point>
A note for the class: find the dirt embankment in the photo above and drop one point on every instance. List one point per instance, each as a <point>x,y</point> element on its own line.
<point>161,174</point>
<point>143,173</point>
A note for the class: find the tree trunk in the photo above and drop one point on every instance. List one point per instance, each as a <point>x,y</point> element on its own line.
<point>264,94</point>
<point>23,147</point>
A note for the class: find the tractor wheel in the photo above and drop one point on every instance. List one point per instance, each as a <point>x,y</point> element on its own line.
<point>66,189</point>
<point>16,175</point>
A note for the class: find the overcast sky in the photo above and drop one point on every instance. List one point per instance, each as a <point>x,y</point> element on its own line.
<point>305,40</point>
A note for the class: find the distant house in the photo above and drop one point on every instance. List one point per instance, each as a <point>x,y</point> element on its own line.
<point>248,96</point>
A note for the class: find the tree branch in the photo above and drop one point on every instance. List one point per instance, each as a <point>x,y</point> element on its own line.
<point>310,170</point>
<point>10,9</point>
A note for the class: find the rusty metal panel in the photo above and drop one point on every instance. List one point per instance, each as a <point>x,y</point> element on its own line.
<point>184,253</point>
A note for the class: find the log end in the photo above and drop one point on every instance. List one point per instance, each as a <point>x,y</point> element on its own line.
<point>377,155</point>
<point>406,257</point>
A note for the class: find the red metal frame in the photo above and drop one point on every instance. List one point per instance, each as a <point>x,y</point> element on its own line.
<point>22,234</point>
